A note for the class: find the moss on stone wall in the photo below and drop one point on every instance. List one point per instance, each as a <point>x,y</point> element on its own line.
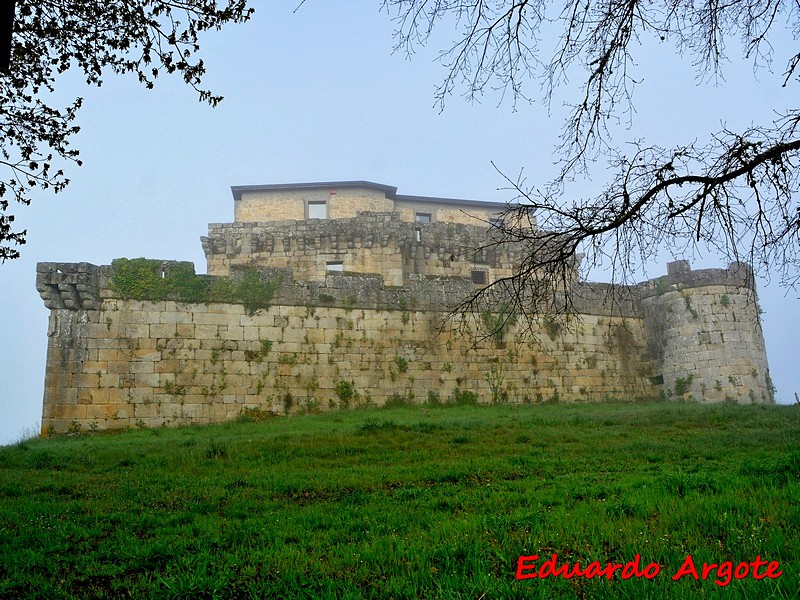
<point>133,344</point>
<point>154,280</point>
<point>139,279</point>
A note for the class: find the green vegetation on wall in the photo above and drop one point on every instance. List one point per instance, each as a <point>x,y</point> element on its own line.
<point>496,323</point>
<point>553,327</point>
<point>346,392</point>
<point>149,279</point>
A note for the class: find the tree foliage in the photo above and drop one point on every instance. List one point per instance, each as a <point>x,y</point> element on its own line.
<point>146,38</point>
<point>735,192</point>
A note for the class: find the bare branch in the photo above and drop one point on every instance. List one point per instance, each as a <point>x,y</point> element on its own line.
<point>141,37</point>
<point>736,194</point>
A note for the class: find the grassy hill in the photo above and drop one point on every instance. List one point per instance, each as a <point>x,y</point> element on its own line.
<point>409,502</point>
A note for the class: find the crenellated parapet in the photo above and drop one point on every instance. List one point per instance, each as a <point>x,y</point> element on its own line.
<point>73,286</point>
<point>680,276</point>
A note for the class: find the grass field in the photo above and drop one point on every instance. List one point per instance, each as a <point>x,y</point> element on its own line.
<point>408,502</point>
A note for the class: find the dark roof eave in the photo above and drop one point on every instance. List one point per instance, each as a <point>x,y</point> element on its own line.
<point>457,201</point>
<point>237,190</point>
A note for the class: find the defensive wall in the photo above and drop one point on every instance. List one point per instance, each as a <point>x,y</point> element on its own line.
<point>149,343</point>
<point>373,242</point>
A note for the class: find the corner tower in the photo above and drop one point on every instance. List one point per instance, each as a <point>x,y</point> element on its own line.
<point>705,337</point>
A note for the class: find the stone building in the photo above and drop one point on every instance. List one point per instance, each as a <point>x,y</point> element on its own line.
<point>355,227</point>
<point>330,295</point>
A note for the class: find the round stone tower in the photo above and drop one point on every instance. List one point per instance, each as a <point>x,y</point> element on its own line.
<point>704,335</point>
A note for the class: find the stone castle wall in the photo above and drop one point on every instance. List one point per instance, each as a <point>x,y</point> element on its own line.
<point>350,339</point>
<point>378,243</point>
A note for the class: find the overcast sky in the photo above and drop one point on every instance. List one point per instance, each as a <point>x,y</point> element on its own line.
<point>319,96</point>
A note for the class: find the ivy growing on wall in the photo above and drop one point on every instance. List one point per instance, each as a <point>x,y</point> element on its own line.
<point>149,279</point>
<point>497,323</point>
<point>139,279</point>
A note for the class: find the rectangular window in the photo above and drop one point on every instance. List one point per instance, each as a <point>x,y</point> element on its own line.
<point>418,233</point>
<point>423,217</point>
<point>334,266</point>
<point>480,277</point>
<point>318,210</point>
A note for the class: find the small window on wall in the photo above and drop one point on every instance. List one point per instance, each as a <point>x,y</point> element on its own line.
<point>334,266</point>
<point>480,277</point>
<point>318,210</point>
<point>418,234</point>
<point>423,217</point>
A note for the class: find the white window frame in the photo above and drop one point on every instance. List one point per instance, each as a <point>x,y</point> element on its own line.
<point>316,203</point>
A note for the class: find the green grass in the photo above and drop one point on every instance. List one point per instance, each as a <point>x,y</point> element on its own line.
<point>407,502</point>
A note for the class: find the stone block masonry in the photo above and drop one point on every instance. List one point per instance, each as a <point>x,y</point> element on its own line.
<point>705,330</point>
<point>379,243</point>
<point>116,362</point>
<point>334,294</point>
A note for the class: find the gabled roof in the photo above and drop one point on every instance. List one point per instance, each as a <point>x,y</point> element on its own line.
<point>389,191</point>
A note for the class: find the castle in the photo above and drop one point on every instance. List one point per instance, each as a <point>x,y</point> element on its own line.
<point>337,294</point>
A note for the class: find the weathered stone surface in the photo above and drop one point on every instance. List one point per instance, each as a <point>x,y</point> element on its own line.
<point>334,339</point>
